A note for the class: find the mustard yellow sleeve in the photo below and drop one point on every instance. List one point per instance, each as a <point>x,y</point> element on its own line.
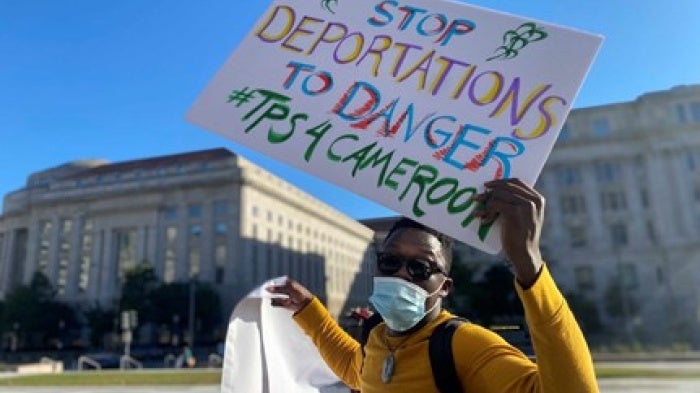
<point>563,359</point>
<point>339,350</point>
<point>488,364</point>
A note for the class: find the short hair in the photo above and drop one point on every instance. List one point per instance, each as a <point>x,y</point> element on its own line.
<point>445,241</point>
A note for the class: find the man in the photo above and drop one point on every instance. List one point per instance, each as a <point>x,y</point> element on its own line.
<point>412,280</point>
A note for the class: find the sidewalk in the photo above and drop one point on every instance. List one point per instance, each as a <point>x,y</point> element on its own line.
<point>113,389</point>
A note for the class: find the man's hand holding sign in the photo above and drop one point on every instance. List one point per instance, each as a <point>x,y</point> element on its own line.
<point>445,113</point>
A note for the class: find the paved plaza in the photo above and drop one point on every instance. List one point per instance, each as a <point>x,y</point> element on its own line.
<point>636,385</point>
<point>114,389</point>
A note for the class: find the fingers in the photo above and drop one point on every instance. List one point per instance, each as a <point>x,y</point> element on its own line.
<point>297,296</point>
<point>508,197</point>
<point>514,191</point>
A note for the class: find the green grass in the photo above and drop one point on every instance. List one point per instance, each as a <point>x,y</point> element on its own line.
<point>117,378</point>
<point>625,372</point>
<point>213,377</point>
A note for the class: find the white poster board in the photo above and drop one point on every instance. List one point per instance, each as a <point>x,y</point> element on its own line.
<point>266,352</point>
<point>411,104</point>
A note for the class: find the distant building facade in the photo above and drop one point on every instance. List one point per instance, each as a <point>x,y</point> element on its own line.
<point>623,217</point>
<point>209,215</point>
<point>622,228</point>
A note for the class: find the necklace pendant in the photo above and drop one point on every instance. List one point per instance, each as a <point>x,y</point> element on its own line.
<point>388,368</point>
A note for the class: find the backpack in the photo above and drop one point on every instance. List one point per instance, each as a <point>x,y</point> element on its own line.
<point>439,349</point>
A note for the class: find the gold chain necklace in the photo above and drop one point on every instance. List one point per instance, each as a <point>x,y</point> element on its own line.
<point>389,364</point>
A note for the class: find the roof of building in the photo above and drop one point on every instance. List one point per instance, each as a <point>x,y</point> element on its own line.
<point>155,162</point>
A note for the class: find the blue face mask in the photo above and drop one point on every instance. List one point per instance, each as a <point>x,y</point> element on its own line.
<point>401,303</point>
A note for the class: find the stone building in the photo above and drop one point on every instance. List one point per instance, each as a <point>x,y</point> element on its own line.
<point>209,215</point>
<point>622,228</point>
<point>623,218</point>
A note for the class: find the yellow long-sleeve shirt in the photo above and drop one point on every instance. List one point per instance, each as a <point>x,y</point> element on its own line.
<point>485,362</point>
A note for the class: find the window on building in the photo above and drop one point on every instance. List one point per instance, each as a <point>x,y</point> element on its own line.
<point>569,176</point>
<point>220,228</point>
<point>565,133</point>
<point>126,251</point>
<point>607,171</point>
<point>194,210</point>
<point>194,246</point>
<point>221,208</point>
<point>44,239</point>
<point>64,254</point>
<point>644,197</point>
<point>254,260</point>
<point>170,213</point>
<point>85,255</point>
<point>270,265</point>
<point>585,277</point>
<point>695,111</point>
<point>628,273</point>
<point>195,230</point>
<point>692,160</point>
<point>618,234</point>
<point>254,210</point>
<point>170,262</point>
<point>659,275</point>
<point>578,237</point>
<point>681,116</point>
<point>573,204</point>
<point>613,200</point>
<point>220,253</point>
<point>2,247</point>
<point>600,127</point>
<point>651,232</point>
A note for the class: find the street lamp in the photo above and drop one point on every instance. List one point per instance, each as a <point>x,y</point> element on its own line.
<point>191,309</point>
<point>14,343</point>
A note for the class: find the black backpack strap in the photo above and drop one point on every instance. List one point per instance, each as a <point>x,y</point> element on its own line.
<point>441,358</point>
<point>367,326</point>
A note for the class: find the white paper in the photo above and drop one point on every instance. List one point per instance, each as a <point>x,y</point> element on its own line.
<point>266,352</point>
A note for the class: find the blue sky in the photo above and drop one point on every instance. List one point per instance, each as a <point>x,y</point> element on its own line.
<point>113,79</point>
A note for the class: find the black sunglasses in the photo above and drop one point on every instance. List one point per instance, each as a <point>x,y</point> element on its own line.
<point>418,269</point>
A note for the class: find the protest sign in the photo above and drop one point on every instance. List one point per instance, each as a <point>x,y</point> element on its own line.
<point>411,104</point>
<point>267,352</point>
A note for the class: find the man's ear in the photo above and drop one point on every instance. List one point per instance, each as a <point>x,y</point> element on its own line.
<point>446,287</point>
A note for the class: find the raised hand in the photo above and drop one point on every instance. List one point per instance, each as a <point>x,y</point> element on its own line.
<point>521,211</point>
<point>297,296</point>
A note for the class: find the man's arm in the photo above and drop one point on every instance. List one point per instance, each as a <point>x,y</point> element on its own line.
<point>563,359</point>
<point>338,349</point>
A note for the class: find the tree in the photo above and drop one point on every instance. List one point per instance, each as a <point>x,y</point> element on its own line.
<point>2,313</point>
<point>173,299</point>
<point>461,299</point>
<point>100,321</point>
<point>139,284</point>
<point>486,300</point>
<point>39,316</point>
<point>618,303</point>
<point>586,312</point>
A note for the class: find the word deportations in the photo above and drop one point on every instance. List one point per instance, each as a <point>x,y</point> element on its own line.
<point>458,144</point>
<point>530,109</point>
